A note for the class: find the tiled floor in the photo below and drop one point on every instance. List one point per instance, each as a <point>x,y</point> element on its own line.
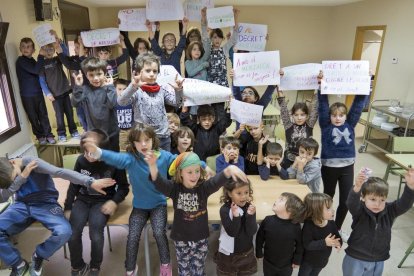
<point>402,235</point>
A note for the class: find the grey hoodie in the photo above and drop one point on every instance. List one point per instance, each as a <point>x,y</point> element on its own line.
<point>310,176</point>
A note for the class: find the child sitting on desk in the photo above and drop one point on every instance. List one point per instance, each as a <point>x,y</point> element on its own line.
<point>271,162</point>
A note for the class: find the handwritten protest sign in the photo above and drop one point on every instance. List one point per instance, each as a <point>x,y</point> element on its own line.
<point>164,10</point>
<point>261,68</point>
<point>300,77</point>
<point>167,75</point>
<point>349,77</point>
<point>192,8</point>
<point>251,37</point>
<point>220,17</point>
<point>42,34</point>
<point>245,113</point>
<point>100,37</point>
<point>197,92</point>
<point>133,20</point>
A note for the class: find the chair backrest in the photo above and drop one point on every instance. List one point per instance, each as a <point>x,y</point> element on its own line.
<point>69,161</point>
<point>403,145</point>
<point>211,162</point>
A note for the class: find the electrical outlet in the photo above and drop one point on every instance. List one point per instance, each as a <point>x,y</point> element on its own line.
<point>394,60</point>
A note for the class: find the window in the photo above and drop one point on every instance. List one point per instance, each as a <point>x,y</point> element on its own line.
<point>9,122</point>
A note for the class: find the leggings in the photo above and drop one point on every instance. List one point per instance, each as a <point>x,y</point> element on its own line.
<point>345,177</point>
<point>137,220</point>
<point>191,257</point>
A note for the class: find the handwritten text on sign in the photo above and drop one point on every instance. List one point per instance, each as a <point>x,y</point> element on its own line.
<point>261,68</point>
<point>164,10</point>
<point>133,20</point>
<point>251,37</point>
<point>192,8</point>
<point>198,92</point>
<point>300,77</point>
<point>42,34</point>
<point>100,37</point>
<point>167,75</point>
<point>245,113</point>
<point>220,17</point>
<point>346,77</point>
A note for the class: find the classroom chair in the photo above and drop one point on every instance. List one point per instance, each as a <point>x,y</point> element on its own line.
<point>407,252</point>
<point>69,163</point>
<point>211,162</point>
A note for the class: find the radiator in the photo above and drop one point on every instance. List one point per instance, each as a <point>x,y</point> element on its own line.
<point>25,150</point>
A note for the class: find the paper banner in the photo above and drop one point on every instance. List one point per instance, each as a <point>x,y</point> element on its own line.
<point>42,35</point>
<point>167,75</point>
<point>251,37</point>
<point>220,17</point>
<point>300,77</point>
<point>164,10</point>
<point>245,113</point>
<point>100,37</point>
<point>350,77</point>
<point>261,68</point>
<point>198,92</point>
<point>133,20</point>
<point>192,8</point>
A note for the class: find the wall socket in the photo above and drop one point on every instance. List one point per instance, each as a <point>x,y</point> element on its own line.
<point>394,60</point>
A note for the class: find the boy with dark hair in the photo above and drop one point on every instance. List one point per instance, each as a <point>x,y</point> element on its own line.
<point>125,114</point>
<point>271,162</point>
<point>36,200</point>
<point>98,99</point>
<point>27,70</point>
<point>230,148</point>
<point>253,144</point>
<point>307,168</point>
<point>207,132</point>
<point>104,54</point>
<point>84,205</point>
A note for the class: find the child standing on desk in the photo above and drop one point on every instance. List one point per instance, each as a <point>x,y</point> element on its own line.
<point>235,255</point>
<point>84,205</point>
<point>189,192</point>
<point>281,237</point>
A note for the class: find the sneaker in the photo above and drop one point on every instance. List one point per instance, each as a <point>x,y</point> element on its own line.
<point>42,141</point>
<point>165,270</point>
<point>62,138</point>
<point>344,236</point>
<point>36,265</point>
<point>20,271</point>
<point>51,140</point>
<point>76,135</point>
<point>94,272</point>
<point>81,272</point>
<point>133,273</point>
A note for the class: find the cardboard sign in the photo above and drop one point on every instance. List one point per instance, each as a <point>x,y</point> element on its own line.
<point>350,77</point>
<point>133,20</point>
<point>198,92</point>
<point>245,113</point>
<point>220,17</point>
<point>42,35</point>
<point>251,37</point>
<point>100,37</point>
<point>164,10</point>
<point>192,8</point>
<point>261,68</point>
<point>300,77</point>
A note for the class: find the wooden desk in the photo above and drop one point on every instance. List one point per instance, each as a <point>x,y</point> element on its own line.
<point>53,153</point>
<point>403,160</point>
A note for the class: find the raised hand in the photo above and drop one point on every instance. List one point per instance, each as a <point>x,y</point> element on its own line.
<point>235,173</point>
<point>151,158</point>
<point>89,144</point>
<point>100,184</point>
<point>28,169</point>
<point>136,80</point>
<point>78,78</point>
<point>409,178</point>
<point>109,80</point>
<point>263,140</point>
<point>178,85</point>
<point>251,210</point>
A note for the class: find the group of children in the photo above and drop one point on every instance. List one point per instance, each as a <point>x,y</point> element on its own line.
<point>165,156</point>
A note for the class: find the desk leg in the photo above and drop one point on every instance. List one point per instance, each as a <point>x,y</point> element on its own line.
<point>387,171</point>
<point>147,252</point>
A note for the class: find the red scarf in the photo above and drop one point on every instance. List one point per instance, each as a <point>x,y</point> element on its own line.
<point>154,88</point>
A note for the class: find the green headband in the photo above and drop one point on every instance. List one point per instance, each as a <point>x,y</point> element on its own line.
<point>189,160</point>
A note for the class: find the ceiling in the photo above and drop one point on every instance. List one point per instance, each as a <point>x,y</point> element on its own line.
<point>139,3</point>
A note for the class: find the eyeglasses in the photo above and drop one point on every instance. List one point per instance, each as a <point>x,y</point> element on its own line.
<point>247,93</point>
<point>169,40</point>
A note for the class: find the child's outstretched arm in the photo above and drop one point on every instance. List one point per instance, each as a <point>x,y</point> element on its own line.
<point>353,202</point>
<point>233,38</point>
<point>163,185</point>
<point>284,112</point>
<point>405,202</point>
<point>260,150</point>
<point>323,106</point>
<point>231,173</point>
<point>77,95</point>
<point>356,109</point>
<point>155,47</point>
<point>267,96</point>
<point>128,95</point>
<point>124,56</point>
<point>313,116</point>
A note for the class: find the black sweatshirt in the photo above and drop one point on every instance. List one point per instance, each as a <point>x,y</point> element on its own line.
<point>282,242</point>
<point>313,237</point>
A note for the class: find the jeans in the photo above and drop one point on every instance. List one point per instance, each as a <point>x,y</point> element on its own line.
<point>36,111</point>
<point>309,270</point>
<point>82,213</point>
<point>353,267</point>
<point>62,107</point>
<point>19,216</point>
<point>82,117</point>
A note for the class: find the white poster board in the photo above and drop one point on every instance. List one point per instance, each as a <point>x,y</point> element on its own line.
<point>261,68</point>
<point>42,34</point>
<point>198,92</point>
<point>100,37</point>
<point>245,113</point>
<point>167,75</point>
<point>133,20</point>
<point>350,77</point>
<point>192,8</point>
<point>251,37</point>
<point>220,17</point>
<point>164,10</point>
<point>300,77</point>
